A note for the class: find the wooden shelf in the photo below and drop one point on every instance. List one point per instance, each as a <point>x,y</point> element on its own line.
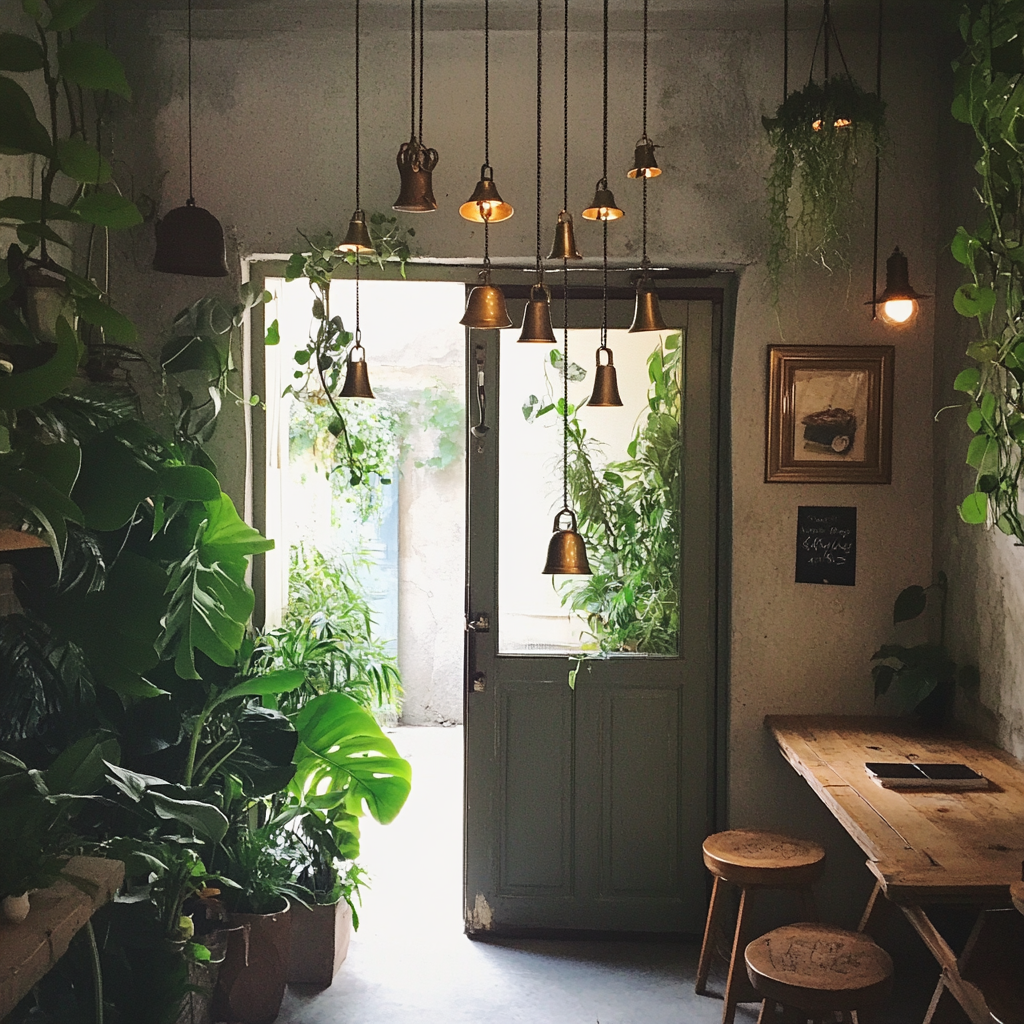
<point>28,950</point>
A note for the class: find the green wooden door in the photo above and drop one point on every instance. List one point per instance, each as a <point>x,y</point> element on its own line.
<point>585,807</point>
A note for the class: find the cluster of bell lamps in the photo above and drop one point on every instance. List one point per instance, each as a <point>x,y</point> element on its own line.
<point>190,240</point>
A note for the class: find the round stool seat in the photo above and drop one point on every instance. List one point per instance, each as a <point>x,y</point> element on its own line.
<point>746,856</point>
<point>817,967</point>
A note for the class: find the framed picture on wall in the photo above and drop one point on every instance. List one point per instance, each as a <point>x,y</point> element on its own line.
<point>829,414</point>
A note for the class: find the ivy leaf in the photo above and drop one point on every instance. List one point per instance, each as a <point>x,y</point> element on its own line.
<point>31,387</point>
<point>19,53</point>
<point>910,603</point>
<point>82,162</point>
<point>974,300</point>
<point>93,67</point>
<point>20,129</point>
<point>273,336</point>
<point>974,508</point>
<point>115,325</point>
<point>962,247</point>
<point>107,210</point>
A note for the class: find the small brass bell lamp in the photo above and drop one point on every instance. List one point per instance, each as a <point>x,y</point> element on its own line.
<point>897,305</point>
<point>486,310</point>
<point>606,386</point>
<point>415,167</point>
<point>604,206</point>
<point>644,163</point>
<point>485,204</point>
<point>647,312</point>
<point>357,380</point>
<point>564,245</point>
<point>567,551</point>
<point>537,318</point>
<point>357,239</point>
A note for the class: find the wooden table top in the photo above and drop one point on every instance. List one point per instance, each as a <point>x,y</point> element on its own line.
<point>925,846</point>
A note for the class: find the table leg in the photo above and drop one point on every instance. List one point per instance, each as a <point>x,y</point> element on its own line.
<point>967,995</point>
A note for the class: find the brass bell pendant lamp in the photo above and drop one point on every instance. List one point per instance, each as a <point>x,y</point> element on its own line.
<point>604,206</point>
<point>606,387</point>
<point>647,312</point>
<point>537,317</point>
<point>190,240</point>
<point>357,238</point>
<point>644,163</point>
<point>567,550</point>
<point>416,162</point>
<point>897,305</point>
<point>564,247</point>
<point>485,309</point>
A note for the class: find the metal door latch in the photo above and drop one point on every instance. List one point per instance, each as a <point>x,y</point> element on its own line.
<point>481,624</point>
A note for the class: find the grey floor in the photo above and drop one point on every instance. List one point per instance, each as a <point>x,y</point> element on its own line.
<point>410,962</point>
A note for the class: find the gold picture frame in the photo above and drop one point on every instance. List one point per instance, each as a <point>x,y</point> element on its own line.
<point>829,414</point>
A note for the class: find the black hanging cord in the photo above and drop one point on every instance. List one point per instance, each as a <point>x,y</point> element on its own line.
<point>358,206</point>
<point>785,49</point>
<point>604,285</point>
<point>412,70</point>
<point>643,261</point>
<point>878,169</point>
<point>191,196</point>
<point>540,73</point>
<point>645,73</point>
<point>487,127</point>
<point>565,392</point>
<point>420,136</point>
<point>565,262</point>
<point>565,110</point>
<point>604,125</point>
<point>828,32</point>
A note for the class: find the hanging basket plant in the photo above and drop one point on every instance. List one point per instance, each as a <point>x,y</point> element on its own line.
<point>818,135</point>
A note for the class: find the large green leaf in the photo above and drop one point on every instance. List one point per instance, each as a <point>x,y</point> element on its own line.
<point>30,210</point>
<point>188,483</point>
<point>113,482</point>
<point>227,537</point>
<point>282,680</point>
<point>116,326</point>
<point>19,53</point>
<point>92,66</point>
<point>108,210</point>
<point>203,818</point>
<point>20,130</point>
<point>82,162</point>
<point>32,387</point>
<point>68,14</point>
<point>336,729</point>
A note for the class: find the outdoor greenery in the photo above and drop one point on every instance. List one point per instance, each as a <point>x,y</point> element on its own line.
<point>628,512</point>
<point>989,96</point>
<point>922,677</point>
<point>818,136</point>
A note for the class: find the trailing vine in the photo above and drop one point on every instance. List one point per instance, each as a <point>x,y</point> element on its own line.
<point>817,135</point>
<point>989,96</point>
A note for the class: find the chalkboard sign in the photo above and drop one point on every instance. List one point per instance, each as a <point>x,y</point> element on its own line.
<point>826,545</point>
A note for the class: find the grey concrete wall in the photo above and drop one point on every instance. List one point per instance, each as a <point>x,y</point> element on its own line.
<point>273,137</point>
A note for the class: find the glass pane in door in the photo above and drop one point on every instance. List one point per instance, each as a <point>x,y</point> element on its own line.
<point>624,484</point>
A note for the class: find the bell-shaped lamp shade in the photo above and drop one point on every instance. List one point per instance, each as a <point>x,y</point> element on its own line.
<point>898,304</point>
<point>644,163</point>
<point>604,206</point>
<point>537,318</point>
<point>486,310</point>
<point>647,312</point>
<point>416,165</point>
<point>564,245</point>
<point>606,386</point>
<point>567,552</point>
<point>357,240</point>
<point>485,204</point>
<point>190,240</point>
<point>357,380</point>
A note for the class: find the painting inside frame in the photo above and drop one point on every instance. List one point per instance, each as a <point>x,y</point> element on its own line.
<point>829,414</point>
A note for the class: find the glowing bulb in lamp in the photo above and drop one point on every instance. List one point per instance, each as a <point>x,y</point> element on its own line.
<point>898,311</point>
<point>898,304</point>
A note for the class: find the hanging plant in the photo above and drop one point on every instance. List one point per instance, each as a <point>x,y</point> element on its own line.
<point>817,135</point>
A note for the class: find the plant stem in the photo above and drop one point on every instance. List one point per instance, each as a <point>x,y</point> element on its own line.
<point>97,973</point>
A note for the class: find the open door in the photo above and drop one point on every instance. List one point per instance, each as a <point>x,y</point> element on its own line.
<point>586,806</point>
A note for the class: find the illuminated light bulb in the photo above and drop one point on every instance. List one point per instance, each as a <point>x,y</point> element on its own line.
<point>840,122</point>
<point>898,311</point>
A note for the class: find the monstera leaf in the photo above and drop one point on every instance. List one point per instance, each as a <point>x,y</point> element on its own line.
<point>341,739</point>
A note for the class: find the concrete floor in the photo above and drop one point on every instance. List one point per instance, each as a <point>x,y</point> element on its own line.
<point>410,962</point>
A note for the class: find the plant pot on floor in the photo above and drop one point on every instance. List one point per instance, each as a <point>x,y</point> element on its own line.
<point>252,978</point>
<point>320,936</point>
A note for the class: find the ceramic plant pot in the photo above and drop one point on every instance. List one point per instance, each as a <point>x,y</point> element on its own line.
<point>320,938</point>
<point>252,977</point>
<point>15,908</point>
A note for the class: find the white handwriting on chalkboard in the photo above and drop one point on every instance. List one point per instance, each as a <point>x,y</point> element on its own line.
<point>827,545</point>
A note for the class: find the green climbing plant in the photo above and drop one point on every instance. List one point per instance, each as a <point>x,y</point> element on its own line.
<point>989,96</point>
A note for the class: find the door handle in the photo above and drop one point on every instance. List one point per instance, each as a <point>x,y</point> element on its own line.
<point>481,624</point>
<point>476,681</point>
<point>481,427</point>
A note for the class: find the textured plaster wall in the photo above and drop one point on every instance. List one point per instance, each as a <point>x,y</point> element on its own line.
<point>986,601</point>
<point>273,135</point>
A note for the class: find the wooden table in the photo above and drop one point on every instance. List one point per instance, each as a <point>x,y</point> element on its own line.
<point>923,846</point>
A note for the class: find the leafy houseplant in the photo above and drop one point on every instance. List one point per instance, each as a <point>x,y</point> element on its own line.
<point>816,136</point>
<point>988,97</point>
<point>923,676</point>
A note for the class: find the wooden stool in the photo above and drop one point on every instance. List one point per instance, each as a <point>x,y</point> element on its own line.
<point>751,859</point>
<point>818,970</point>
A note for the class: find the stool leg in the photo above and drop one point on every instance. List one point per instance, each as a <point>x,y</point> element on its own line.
<point>809,905</point>
<point>737,986</point>
<point>767,1013</point>
<point>707,948</point>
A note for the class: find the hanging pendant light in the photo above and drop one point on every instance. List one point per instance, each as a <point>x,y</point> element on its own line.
<point>190,240</point>
<point>485,308</point>
<point>357,380</point>
<point>604,206</point>
<point>644,163</point>
<point>897,305</point>
<point>567,550</point>
<point>564,247</point>
<point>416,162</point>
<point>537,315</point>
<point>606,386</point>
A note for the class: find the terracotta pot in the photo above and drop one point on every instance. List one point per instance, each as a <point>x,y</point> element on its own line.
<point>15,908</point>
<point>320,938</point>
<point>252,978</point>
